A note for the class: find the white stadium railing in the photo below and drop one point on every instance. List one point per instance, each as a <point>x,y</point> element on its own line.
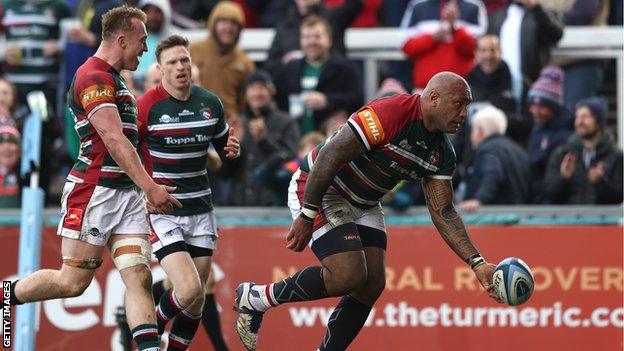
<point>381,44</point>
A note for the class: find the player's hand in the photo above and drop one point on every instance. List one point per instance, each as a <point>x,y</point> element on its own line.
<point>232,148</point>
<point>485,275</point>
<point>299,235</point>
<point>159,200</point>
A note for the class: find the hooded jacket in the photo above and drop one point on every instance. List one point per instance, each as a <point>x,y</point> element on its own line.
<point>223,70</point>
<point>153,39</point>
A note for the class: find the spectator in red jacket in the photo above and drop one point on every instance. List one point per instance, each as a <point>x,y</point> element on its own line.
<point>441,36</point>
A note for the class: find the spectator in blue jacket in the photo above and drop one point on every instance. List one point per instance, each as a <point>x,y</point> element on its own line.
<point>500,171</point>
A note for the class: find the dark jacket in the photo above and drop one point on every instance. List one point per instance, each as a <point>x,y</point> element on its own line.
<point>540,31</point>
<point>500,173</point>
<point>280,145</point>
<point>578,189</point>
<point>338,80</point>
<point>494,88</point>
<point>543,140</point>
<point>287,32</point>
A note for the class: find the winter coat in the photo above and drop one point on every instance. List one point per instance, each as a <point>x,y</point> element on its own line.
<point>500,173</point>
<point>578,189</point>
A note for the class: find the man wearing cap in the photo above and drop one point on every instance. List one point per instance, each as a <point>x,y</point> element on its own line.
<point>551,125</point>
<point>269,139</point>
<point>588,168</point>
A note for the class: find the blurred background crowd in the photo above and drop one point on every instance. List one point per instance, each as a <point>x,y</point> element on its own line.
<point>539,131</point>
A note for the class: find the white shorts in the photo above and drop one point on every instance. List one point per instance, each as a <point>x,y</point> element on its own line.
<point>198,230</point>
<point>92,213</point>
<point>335,210</point>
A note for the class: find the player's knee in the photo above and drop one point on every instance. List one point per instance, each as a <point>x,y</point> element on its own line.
<point>376,285</point>
<point>350,278</point>
<point>138,277</point>
<point>188,293</point>
<point>75,287</point>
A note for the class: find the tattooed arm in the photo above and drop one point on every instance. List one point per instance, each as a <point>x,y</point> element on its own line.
<point>340,149</point>
<point>439,196</point>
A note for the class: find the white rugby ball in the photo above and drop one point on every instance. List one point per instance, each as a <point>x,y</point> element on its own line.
<point>513,281</point>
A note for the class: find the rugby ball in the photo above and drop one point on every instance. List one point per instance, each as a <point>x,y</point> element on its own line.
<point>513,281</point>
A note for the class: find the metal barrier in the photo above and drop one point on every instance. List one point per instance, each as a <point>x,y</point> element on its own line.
<point>382,44</point>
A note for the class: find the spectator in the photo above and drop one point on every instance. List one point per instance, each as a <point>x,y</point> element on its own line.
<point>400,70</point>
<point>588,168</point>
<point>494,5</point>
<point>153,77</point>
<point>31,62</point>
<point>527,33</point>
<point>159,26</point>
<point>286,42</point>
<point>490,82</point>
<point>314,87</point>
<point>191,13</point>
<point>370,16</point>
<point>550,125</point>
<point>11,112</point>
<point>270,139</point>
<point>9,166</point>
<point>490,79</point>
<point>500,171</point>
<point>271,12</point>
<point>222,65</point>
<point>583,76</point>
<point>85,37</point>
<point>442,36</point>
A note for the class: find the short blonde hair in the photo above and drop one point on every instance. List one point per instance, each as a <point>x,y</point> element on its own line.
<point>490,120</point>
<point>120,19</point>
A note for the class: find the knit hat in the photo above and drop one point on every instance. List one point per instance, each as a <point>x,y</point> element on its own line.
<point>598,107</point>
<point>548,88</point>
<point>262,77</point>
<point>9,133</point>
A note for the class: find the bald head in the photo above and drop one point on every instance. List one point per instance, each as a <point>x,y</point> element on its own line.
<point>444,102</point>
<point>447,82</point>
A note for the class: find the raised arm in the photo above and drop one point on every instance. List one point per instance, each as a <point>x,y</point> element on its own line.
<point>339,150</point>
<point>439,196</point>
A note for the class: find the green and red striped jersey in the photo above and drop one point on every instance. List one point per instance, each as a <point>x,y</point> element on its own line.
<point>98,85</point>
<point>174,138</point>
<point>398,148</point>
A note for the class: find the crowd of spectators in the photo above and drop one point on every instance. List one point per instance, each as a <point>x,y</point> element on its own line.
<point>536,131</point>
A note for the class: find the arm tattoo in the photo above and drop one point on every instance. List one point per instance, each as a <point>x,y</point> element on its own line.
<point>439,196</point>
<point>342,148</point>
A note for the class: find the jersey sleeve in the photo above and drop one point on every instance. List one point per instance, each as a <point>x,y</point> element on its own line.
<point>378,122</point>
<point>447,162</point>
<point>222,127</point>
<point>95,90</point>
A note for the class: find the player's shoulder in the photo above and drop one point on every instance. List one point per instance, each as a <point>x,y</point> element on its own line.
<point>150,97</point>
<point>95,72</point>
<point>206,95</point>
<point>395,107</point>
